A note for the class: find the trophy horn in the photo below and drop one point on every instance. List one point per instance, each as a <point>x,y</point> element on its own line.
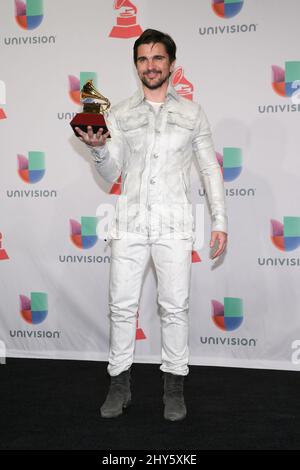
<point>89,91</point>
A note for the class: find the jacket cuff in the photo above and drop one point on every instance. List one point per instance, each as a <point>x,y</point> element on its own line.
<point>98,153</point>
<point>220,223</point>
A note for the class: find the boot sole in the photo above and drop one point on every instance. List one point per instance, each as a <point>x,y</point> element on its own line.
<point>115,415</point>
<point>175,419</point>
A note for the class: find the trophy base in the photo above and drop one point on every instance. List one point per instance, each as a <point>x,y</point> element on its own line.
<point>83,120</point>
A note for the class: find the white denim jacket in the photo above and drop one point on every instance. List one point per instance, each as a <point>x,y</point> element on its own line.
<point>153,154</point>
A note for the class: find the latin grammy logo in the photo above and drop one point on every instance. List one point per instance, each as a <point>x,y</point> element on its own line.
<point>139,331</point>
<point>127,26</point>
<point>195,257</point>
<point>3,254</point>
<point>181,84</point>
<point>116,187</point>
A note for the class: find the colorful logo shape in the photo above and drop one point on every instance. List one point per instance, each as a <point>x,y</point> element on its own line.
<point>286,236</point>
<point>84,234</point>
<point>35,309</point>
<point>75,84</point>
<point>230,162</point>
<point>227,8</point>
<point>29,13</point>
<point>286,82</point>
<point>139,332</point>
<point>3,254</point>
<point>31,169</point>
<point>127,26</point>
<point>183,87</point>
<point>2,99</point>
<point>228,317</point>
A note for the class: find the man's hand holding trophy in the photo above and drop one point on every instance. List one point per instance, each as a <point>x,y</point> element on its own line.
<point>90,125</point>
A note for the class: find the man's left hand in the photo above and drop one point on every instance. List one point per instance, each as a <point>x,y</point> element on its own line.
<point>221,239</point>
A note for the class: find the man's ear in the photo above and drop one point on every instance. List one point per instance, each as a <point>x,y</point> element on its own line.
<point>172,66</point>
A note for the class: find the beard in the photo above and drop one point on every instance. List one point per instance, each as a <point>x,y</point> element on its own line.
<point>154,86</point>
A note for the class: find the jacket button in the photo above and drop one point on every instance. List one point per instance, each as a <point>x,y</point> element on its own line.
<point>152,181</point>
<point>155,155</point>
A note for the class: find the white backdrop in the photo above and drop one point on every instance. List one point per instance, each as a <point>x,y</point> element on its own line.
<point>54,294</point>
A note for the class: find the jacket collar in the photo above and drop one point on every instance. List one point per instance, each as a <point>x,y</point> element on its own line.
<point>139,96</point>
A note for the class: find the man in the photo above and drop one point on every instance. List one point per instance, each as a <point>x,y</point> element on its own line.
<point>153,136</point>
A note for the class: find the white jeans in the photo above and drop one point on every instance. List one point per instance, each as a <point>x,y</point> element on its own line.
<point>172,259</point>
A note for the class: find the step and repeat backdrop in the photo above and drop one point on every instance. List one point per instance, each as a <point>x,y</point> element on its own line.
<point>241,61</point>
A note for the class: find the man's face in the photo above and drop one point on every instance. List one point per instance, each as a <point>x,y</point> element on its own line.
<point>153,65</point>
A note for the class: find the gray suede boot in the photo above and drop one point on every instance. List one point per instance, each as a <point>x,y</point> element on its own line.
<point>175,409</point>
<point>118,397</point>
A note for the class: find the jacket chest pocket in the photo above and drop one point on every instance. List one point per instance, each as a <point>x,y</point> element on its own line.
<point>180,121</point>
<point>181,128</point>
<point>134,129</point>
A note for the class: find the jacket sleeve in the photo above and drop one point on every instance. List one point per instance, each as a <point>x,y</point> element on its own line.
<point>211,172</point>
<point>109,158</point>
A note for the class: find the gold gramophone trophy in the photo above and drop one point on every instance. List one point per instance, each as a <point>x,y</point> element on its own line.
<point>94,105</point>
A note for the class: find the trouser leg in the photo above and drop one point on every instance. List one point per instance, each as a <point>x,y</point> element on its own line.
<point>129,256</point>
<point>172,259</point>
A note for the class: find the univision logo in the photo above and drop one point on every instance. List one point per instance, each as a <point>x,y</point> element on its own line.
<point>286,82</point>
<point>227,8</point>
<point>29,13</point>
<point>228,316</point>
<point>230,162</point>
<point>286,236</point>
<point>34,310</point>
<point>31,169</point>
<point>84,234</point>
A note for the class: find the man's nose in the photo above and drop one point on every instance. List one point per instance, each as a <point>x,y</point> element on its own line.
<point>150,63</point>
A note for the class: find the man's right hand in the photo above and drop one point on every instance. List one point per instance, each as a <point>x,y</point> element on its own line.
<point>89,138</point>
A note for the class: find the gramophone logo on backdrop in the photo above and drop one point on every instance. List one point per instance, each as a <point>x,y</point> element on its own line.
<point>34,310</point>
<point>286,82</point>
<point>2,99</point>
<point>227,8</point>
<point>230,162</point>
<point>76,84</point>
<point>29,13</point>
<point>127,26</point>
<point>139,332</point>
<point>183,87</point>
<point>286,236</point>
<point>31,169</point>
<point>84,234</point>
<point>3,254</point>
<point>228,316</point>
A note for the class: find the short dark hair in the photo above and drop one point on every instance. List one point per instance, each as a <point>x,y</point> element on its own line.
<point>152,35</point>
